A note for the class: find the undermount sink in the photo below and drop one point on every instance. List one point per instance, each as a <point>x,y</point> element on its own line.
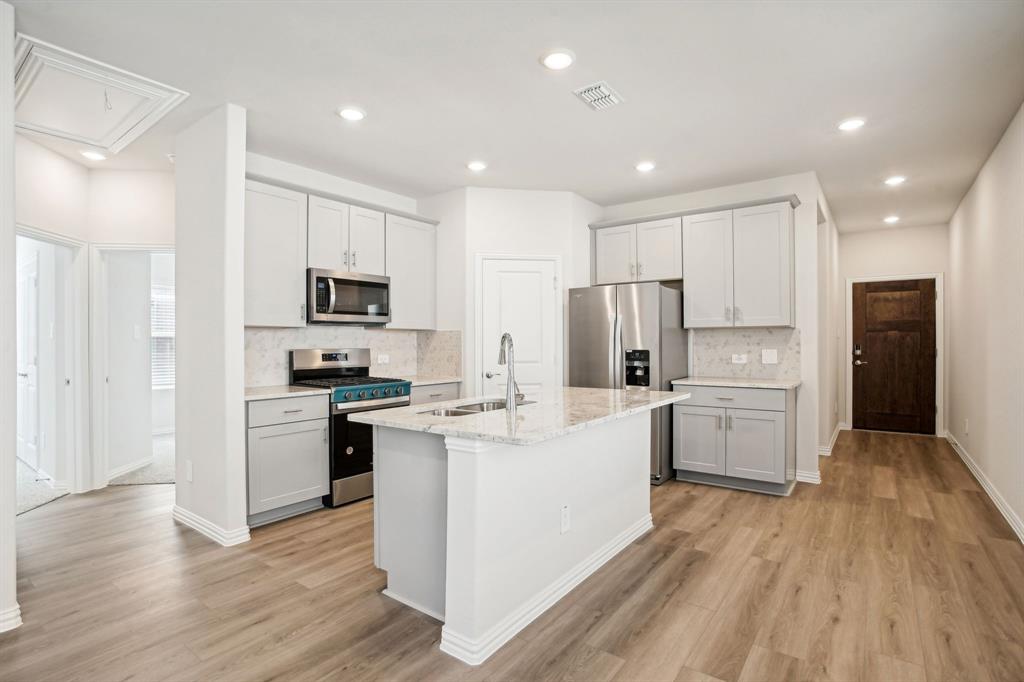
<point>473,408</point>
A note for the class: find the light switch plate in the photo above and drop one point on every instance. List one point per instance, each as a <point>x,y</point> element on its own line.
<point>565,526</point>
<point>769,356</point>
<point>739,358</point>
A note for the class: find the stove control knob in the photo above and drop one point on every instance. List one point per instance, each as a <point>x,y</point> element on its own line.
<point>348,395</point>
<point>400,390</point>
<point>388,391</point>
<point>376,393</point>
<point>362,394</point>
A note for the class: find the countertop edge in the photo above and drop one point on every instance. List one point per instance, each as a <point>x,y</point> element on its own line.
<point>417,380</point>
<point>255,393</point>
<point>738,382</point>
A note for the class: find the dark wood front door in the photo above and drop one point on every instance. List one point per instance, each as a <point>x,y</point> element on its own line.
<point>893,355</point>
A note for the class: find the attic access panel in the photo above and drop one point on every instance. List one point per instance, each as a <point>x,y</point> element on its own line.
<point>67,95</point>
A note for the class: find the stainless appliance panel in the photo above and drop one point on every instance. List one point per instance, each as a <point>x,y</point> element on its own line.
<point>339,297</point>
<point>592,329</point>
<point>640,326</point>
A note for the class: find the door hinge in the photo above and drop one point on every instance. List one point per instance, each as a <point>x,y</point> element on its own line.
<point>554,283</point>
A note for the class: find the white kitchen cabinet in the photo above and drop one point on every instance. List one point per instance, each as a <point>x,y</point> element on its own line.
<point>762,265</point>
<point>738,267</point>
<point>615,255</point>
<point>275,256</point>
<point>707,270</point>
<point>700,439</point>
<point>328,234</point>
<point>288,463</point>
<point>659,250</point>
<point>411,263</point>
<point>648,251</point>
<point>736,436</point>
<point>366,241</point>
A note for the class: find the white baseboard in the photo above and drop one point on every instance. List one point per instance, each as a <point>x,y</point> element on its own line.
<point>826,450</point>
<point>476,651</point>
<point>10,618</point>
<point>809,477</point>
<point>209,529</point>
<point>1004,508</point>
<point>416,605</point>
<point>163,432</point>
<point>131,466</point>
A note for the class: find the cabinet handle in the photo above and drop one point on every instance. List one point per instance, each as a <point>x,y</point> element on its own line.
<point>436,395</point>
<point>292,411</point>
<point>718,421</point>
<point>728,313</point>
<point>324,431</point>
<point>640,269</point>
<point>346,258</point>
<point>353,259</point>
<point>728,422</point>
<point>302,311</point>
<point>724,397</point>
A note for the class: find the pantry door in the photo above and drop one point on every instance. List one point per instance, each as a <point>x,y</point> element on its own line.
<point>522,296</point>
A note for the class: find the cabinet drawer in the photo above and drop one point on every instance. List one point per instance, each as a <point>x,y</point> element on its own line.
<point>736,398</point>
<point>434,394</point>
<point>287,410</point>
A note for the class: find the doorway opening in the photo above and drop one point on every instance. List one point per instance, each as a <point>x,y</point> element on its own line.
<point>45,350</point>
<point>133,328</point>
<point>894,373</point>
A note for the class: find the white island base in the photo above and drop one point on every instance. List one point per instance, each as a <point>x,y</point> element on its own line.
<point>485,535</point>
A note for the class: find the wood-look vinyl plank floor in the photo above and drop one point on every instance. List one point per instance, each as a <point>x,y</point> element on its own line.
<point>897,567</point>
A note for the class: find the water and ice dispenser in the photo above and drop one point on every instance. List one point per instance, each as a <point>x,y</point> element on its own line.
<point>638,367</point>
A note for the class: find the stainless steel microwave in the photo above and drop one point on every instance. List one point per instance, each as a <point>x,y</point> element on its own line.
<point>337,297</point>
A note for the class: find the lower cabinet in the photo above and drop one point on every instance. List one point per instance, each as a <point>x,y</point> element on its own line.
<point>434,393</point>
<point>288,464</point>
<point>737,444</point>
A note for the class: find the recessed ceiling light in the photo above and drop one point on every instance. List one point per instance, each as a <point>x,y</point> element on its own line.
<point>851,124</point>
<point>476,166</point>
<point>93,156</point>
<point>352,114</point>
<point>891,219</point>
<point>895,180</point>
<point>556,60</point>
<point>645,166</point>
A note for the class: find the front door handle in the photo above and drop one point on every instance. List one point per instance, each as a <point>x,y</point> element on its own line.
<point>858,363</point>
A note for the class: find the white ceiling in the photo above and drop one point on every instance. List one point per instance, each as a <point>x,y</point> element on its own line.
<point>715,93</point>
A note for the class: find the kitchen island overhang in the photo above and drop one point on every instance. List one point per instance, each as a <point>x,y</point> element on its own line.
<point>484,523</point>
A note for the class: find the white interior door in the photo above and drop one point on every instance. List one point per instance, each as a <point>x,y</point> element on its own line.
<point>28,361</point>
<point>522,297</point>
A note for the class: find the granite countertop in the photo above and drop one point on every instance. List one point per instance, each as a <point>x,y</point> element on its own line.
<point>556,413</point>
<point>271,392</point>
<point>737,382</point>
<point>425,380</point>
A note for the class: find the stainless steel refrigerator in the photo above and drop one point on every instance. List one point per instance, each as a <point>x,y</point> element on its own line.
<point>631,336</point>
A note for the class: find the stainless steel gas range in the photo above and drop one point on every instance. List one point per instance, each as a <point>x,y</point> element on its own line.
<point>347,372</point>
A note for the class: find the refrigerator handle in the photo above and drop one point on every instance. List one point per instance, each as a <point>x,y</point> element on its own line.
<point>616,352</point>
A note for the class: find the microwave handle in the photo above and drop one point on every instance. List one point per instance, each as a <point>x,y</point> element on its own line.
<point>332,295</point>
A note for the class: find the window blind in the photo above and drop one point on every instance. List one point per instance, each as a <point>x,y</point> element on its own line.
<point>162,335</point>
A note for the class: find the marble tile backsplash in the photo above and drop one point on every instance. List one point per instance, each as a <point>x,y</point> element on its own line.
<point>713,350</point>
<point>266,350</point>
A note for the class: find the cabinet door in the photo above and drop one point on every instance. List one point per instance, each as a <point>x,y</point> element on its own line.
<point>412,267</point>
<point>275,256</point>
<point>756,445</point>
<point>366,241</point>
<point>699,439</point>
<point>763,261</point>
<point>659,250</point>
<point>327,246</point>
<point>707,270</point>
<point>615,255</point>
<point>288,463</point>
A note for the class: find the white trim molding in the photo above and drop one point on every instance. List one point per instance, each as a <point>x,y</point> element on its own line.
<point>227,538</point>
<point>10,618</point>
<point>809,477</point>
<point>129,467</point>
<point>1016,523</point>
<point>940,337</point>
<point>826,450</point>
<point>476,651</point>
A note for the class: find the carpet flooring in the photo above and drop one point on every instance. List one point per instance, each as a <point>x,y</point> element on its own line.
<point>161,470</point>
<point>34,490</point>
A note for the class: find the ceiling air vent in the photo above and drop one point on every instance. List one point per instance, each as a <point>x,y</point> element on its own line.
<point>598,96</point>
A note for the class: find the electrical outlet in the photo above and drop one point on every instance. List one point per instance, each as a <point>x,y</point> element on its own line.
<point>188,470</point>
<point>565,519</point>
<point>739,358</point>
<point>769,356</point>
<point>383,359</point>
<point>967,425</point>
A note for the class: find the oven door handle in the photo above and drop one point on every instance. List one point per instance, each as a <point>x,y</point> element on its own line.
<point>332,295</point>
<point>364,405</point>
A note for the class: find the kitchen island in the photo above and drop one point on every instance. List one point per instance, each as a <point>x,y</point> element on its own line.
<point>484,521</point>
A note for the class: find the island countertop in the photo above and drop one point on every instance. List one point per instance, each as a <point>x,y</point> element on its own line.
<point>554,414</point>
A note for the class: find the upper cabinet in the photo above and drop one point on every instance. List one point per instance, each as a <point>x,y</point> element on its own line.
<point>412,267</point>
<point>275,256</point>
<point>738,267</point>
<point>647,251</point>
<point>345,238</point>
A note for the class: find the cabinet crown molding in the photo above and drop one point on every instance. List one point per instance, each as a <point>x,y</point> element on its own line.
<point>791,198</point>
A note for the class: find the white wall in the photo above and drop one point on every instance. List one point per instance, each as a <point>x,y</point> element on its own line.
<point>808,190</point>
<point>880,253</point>
<point>131,207</point>
<point>210,401</point>
<point>52,192</point>
<point>129,433</point>
<point>985,302</point>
